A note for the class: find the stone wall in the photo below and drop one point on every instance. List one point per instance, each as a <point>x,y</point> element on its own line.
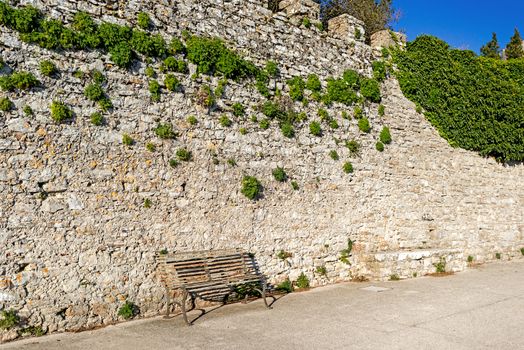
<point>77,240</point>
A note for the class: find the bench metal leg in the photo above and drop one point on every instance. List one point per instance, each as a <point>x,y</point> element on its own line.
<point>263,293</point>
<point>168,303</point>
<point>183,306</point>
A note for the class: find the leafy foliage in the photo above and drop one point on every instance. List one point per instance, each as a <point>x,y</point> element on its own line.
<point>302,281</point>
<point>165,131</point>
<point>475,103</point>
<point>97,119</point>
<point>279,174</point>
<point>514,48</point>
<point>353,147</point>
<point>128,310</point>
<point>313,83</point>
<point>171,82</point>
<point>127,140</point>
<point>347,167</point>
<point>251,187</point>
<point>379,70</point>
<point>60,112</point>
<point>285,286</point>
<point>9,319</point>
<point>363,125</point>
<point>370,89</point>
<point>379,146</point>
<point>315,129</point>
<point>154,90</point>
<point>48,68</point>
<point>225,121</point>
<point>238,109</point>
<point>339,90</point>
<point>143,20</point>
<point>183,155</point>
<point>287,129</point>
<point>212,56</point>
<point>6,104</point>
<point>18,80</point>
<point>385,135</point>
<point>296,88</point>
<point>492,48</point>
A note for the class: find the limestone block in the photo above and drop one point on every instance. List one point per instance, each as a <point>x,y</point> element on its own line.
<point>386,38</point>
<point>300,8</point>
<point>347,27</point>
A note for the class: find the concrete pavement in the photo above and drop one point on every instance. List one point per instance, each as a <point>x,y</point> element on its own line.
<point>482,308</point>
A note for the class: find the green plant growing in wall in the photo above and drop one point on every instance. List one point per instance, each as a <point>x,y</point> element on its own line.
<point>313,83</point>
<point>60,112</point>
<point>379,146</point>
<point>363,125</point>
<point>321,270</point>
<point>97,119</point>
<point>251,187</point>
<point>287,130</point>
<point>345,253</point>
<point>154,90</point>
<point>264,124</point>
<point>315,129</point>
<point>295,187</point>
<point>280,174</point>
<point>285,286</point>
<point>151,147</point>
<point>48,68</point>
<point>28,111</point>
<point>353,147</point>
<point>470,259</point>
<point>296,88</point>
<point>192,120</point>
<point>440,267</point>
<point>283,255</point>
<point>381,110</point>
<point>9,319</point>
<point>370,89</point>
<point>379,70</point>
<point>128,310</point>
<point>385,135</point>
<point>225,121</point>
<point>184,155</point>
<point>205,97</point>
<point>334,155</point>
<point>394,277</point>
<point>173,163</point>
<point>165,131</point>
<point>171,82</point>
<point>6,104</point>
<point>148,203</point>
<point>306,22</point>
<point>272,69</point>
<point>143,20</point>
<point>498,256</point>
<point>302,281</point>
<point>127,140</point>
<point>239,110</point>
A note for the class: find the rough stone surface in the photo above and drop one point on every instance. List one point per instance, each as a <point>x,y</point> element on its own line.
<point>387,38</point>
<point>347,27</point>
<point>77,240</point>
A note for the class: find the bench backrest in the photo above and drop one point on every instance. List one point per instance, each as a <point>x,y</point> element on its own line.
<point>201,267</point>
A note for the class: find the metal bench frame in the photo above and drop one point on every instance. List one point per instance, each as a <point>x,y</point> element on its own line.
<point>201,273</point>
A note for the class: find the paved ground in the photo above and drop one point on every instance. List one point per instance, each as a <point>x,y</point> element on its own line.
<point>482,308</point>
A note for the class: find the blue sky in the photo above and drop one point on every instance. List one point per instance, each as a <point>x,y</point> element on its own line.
<point>465,24</point>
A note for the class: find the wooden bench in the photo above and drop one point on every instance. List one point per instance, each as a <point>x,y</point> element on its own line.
<point>207,274</point>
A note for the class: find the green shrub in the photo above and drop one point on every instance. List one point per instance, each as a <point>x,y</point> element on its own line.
<point>48,68</point>
<point>287,130</point>
<point>28,111</point>
<point>381,110</point>
<point>272,69</point>
<point>379,70</point>
<point>171,82</point>
<point>192,120</point>
<point>302,281</point>
<point>353,147</point>
<point>238,110</point>
<point>97,76</point>
<point>363,125</point>
<point>347,167</point>
<point>449,84</point>
<point>279,174</point>
<point>127,140</point>
<point>212,56</point>
<point>94,92</point>
<point>173,163</point>
<point>147,44</point>
<point>151,147</point>
<point>18,80</point>
<point>352,78</point>
<point>334,155</point>
<point>97,119</point>
<point>86,31</point>
<point>498,256</point>
<point>358,113</point>
<point>6,104</point>
<point>129,309</point>
<point>165,131</point>
<point>385,136</point>
<point>60,112</point>
<point>345,253</point>
<point>522,251</point>
<point>338,90</point>
<point>296,88</point>
<point>154,90</point>
<point>440,266</point>
<point>379,146</point>
<point>121,54</point>
<point>370,89</point>
<point>321,270</point>
<point>273,111</point>
<point>9,319</point>
<point>285,286</point>
<point>251,187</point>
<point>264,124</point>
<point>394,277</point>
<point>225,121</point>
<point>36,331</point>
<point>315,129</point>
<point>283,255</point>
<point>306,22</point>
<point>232,162</point>
<point>143,20</point>
<point>176,47</point>
<point>175,65</point>
<point>242,131</point>
<point>313,83</point>
<point>324,115</point>
<point>219,91</point>
<point>262,80</point>
<point>184,155</point>
<point>294,185</point>
<point>333,124</point>
<point>150,72</point>
<point>25,19</point>
<point>470,259</point>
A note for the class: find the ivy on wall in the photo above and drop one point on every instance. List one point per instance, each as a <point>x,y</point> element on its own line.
<point>476,103</point>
